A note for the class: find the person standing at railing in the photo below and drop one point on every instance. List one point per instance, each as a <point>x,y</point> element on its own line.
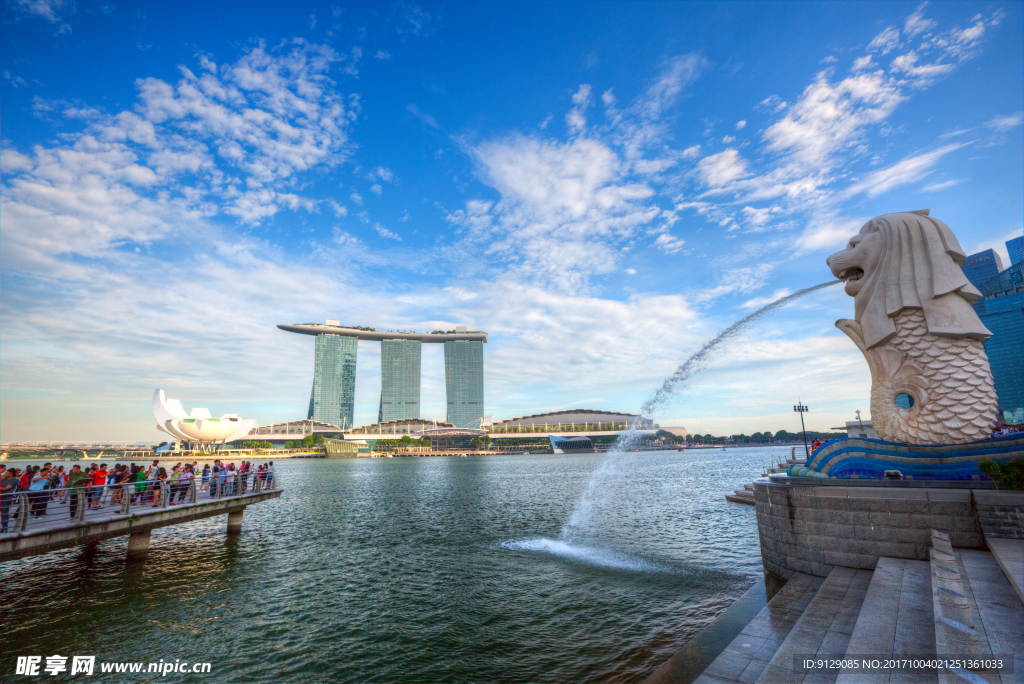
<point>174,480</point>
<point>270,474</point>
<point>38,497</point>
<point>245,476</point>
<point>184,482</point>
<point>214,480</point>
<point>77,484</point>
<point>140,484</point>
<point>52,485</point>
<point>116,479</point>
<point>206,478</point>
<point>157,486</point>
<point>62,480</point>
<point>8,485</point>
<point>108,489</point>
<point>26,478</point>
<point>99,482</point>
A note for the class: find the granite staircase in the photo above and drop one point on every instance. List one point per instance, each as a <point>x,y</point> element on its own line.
<point>960,602</point>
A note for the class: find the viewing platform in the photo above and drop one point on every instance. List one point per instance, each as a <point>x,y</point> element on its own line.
<point>72,522</point>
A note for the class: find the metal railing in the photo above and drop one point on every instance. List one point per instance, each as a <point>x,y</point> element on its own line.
<point>27,509</point>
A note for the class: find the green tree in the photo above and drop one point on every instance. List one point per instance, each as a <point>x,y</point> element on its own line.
<point>1008,474</point>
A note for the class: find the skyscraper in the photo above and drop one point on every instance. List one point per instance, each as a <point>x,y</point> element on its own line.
<point>1015,248</point>
<point>334,372</point>
<point>1002,312</point>
<point>400,379</point>
<point>464,382</point>
<point>334,380</point>
<point>982,267</point>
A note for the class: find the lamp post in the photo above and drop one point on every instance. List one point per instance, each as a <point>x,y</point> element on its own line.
<point>801,409</point>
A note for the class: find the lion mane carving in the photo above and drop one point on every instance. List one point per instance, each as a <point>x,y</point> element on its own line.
<point>924,343</point>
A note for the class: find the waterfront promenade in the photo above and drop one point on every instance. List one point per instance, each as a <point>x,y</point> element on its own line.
<point>72,523</point>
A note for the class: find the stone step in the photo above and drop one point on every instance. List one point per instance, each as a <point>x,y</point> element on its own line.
<point>1009,553</point>
<point>959,628</point>
<point>824,629</point>
<point>895,620</point>
<point>749,487</point>
<point>998,607</point>
<point>748,654</point>
<point>741,498</point>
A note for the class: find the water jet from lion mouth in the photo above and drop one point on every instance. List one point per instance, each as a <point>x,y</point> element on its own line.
<point>694,364</point>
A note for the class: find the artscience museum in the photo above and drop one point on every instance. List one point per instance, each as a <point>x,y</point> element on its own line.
<point>198,427</point>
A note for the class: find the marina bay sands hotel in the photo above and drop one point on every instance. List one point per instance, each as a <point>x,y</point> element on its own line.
<point>334,372</point>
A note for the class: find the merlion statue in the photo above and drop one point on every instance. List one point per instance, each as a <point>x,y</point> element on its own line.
<point>924,344</point>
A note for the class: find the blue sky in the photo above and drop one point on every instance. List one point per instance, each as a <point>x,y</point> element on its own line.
<point>600,186</point>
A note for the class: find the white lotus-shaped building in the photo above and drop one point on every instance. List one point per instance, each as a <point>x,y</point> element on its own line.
<point>199,426</point>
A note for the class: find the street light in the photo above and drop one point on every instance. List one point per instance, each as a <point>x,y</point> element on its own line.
<point>801,409</point>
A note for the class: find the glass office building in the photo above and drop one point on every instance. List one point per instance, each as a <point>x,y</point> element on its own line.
<point>1002,311</point>
<point>983,267</point>
<point>334,380</point>
<point>399,379</point>
<point>464,382</point>
<point>1015,248</point>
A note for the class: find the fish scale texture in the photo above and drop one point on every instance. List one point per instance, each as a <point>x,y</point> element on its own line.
<point>956,400</point>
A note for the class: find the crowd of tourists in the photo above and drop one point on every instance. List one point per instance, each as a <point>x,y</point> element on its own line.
<point>96,487</point>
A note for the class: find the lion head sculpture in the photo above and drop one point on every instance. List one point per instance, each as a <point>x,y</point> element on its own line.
<point>905,261</point>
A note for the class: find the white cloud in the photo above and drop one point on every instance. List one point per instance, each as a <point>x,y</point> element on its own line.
<point>385,174</point>
<point>630,271</point>
<point>356,197</point>
<point>382,54</point>
<point>385,233</point>
<point>737,280</point>
<point>924,74</point>
<point>690,152</point>
<point>936,187</point>
<point>829,118</point>
<point>886,41</point>
<point>669,243</point>
<point>1005,123</point>
<point>563,207</point>
<point>338,209</point>
<point>52,11</point>
<point>377,189</point>
<point>722,168</point>
<point>576,118</point>
<point>827,231</point>
<point>862,63</point>
<point>906,171</point>
<point>641,127</point>
<point>916,23</point>
<point>740,125</point>
<point>728,139</point>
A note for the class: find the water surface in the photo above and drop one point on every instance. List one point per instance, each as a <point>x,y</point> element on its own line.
<point>416,570</point>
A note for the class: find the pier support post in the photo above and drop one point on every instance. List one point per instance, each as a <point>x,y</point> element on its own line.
<point>235,521</point>
<point>138,545</point>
